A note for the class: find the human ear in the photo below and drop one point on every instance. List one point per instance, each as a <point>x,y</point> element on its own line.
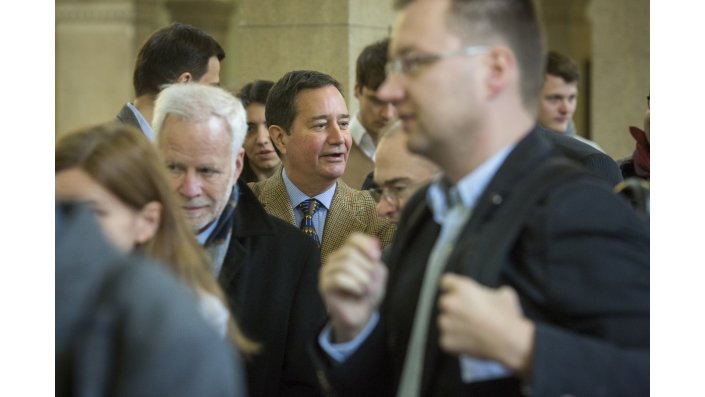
<point>184,77</point>
<point>357,90</point>
<point>239,164</point>
<point>148,220</point>
<point>502,66</point>
<point>277,134</point>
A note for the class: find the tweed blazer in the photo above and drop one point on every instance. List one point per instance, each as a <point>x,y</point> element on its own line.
<point>357,167</point>
<point>350,211</point>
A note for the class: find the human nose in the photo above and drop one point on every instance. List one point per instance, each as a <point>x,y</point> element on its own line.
<point>190,185</point>
<point>386,208</point>
<point>335,134</point>
<point>392,89</point>
<point>388,111</point>
<point>262,135</point>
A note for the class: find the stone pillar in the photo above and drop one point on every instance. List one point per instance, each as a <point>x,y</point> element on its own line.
<point>96,44</point>
<point>620,83</point>
<point>213,16</point>
<point>568,31</point>
<point>272,37</point>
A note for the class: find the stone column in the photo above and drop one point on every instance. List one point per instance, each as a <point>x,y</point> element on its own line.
<point>96,44</point>
<point>213,16</point>
<point>568,31</point>
<point>272,37</point>
<point>620,84</point>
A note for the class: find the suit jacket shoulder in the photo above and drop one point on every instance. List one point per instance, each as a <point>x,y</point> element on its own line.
<point>126,116</point>
<point>353,211</point>
<point>595,161</point>
<point>357,168</point>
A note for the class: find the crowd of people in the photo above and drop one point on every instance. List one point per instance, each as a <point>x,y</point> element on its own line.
<point>453,237</point>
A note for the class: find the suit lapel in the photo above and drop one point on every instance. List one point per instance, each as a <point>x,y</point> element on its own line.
<point>342,220</point>
<point>276,199</point>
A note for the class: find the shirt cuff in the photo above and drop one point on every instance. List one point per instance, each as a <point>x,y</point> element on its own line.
<point>341,351</point>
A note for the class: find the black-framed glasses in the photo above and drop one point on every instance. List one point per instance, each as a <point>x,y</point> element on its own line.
<point>411,64</point>
<point>648,102</point>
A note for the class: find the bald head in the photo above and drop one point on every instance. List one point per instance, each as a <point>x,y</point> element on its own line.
<point>398,172</point>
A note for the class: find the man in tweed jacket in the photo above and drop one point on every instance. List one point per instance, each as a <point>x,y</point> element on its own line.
<point>308,122</point>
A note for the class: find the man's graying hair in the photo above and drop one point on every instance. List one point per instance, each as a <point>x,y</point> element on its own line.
<point>509,22</point>
<point>194,103</point>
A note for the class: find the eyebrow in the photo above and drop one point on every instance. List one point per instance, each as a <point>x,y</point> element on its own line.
<point>325,117</point>
<point>396,180</point>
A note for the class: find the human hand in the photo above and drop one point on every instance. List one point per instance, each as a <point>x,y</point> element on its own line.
<point>484,323</point>
<point>352,284</point>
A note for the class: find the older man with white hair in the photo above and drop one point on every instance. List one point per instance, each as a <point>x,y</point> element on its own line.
<point>267,267</point>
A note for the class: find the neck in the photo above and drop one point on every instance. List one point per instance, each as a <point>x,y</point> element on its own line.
<point>499,131</point>
<point>262,174</point>
<point>145,104</point>
<point>310,187</point>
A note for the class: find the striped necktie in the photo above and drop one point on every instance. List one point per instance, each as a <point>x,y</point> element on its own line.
<point>308,208</point>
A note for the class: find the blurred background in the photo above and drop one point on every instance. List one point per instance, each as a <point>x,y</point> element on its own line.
<point>97,42</point>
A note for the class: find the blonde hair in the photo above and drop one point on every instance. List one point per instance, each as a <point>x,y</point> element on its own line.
<point>122,160</point>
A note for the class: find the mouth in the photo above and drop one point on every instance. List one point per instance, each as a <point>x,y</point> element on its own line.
<point>407,120</point>
<point>265,154</point>
<point>191,209</point>
<point>334,157</point>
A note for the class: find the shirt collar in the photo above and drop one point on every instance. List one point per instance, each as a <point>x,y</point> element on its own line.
<point>144,124</point>
<point>362,138</point>
<point>468,189</point>
<point>297,196</point>
<point>203,236</point>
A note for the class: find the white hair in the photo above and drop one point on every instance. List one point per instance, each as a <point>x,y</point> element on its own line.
<point>194,102</point>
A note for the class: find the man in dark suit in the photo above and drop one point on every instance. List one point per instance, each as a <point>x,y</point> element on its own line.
<point>491,285</point>
<point>177,53</point>
<point>595,161</point>
<point>267,267</point>
<point>126,327</point>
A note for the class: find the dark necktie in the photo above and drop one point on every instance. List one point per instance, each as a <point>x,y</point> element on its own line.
<point>308,208</point>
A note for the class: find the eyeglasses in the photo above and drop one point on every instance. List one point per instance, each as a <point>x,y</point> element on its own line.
<point>411,65</point>
<point>395,191</point>
<point>648,102</point>
<point>390,194</point>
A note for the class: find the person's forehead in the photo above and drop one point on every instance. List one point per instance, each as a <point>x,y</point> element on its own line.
<point>554,81</point>
<point>421,26</point>
<point>196,138</point>
<point>313,102</point>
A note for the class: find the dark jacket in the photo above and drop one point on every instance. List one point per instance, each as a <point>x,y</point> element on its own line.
<point>127,117</point>
<point>593,160</point>
<point>270,274</point>
<point>580,265</point>
<point>128,327</point>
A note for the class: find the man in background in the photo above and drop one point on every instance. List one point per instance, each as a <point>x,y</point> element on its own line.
<point>559,96</point>
<point>178,53</point>
<point>373,115</point>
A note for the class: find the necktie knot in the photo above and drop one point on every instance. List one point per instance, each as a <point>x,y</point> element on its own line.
<point>308,208</point>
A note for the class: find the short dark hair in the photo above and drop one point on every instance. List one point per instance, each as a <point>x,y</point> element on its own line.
<point>171,51</point>
<point>512,21</point>
<point>562,66</point>
<point>255,92</point>
<point>369,69</point>
<point>281,103</point>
